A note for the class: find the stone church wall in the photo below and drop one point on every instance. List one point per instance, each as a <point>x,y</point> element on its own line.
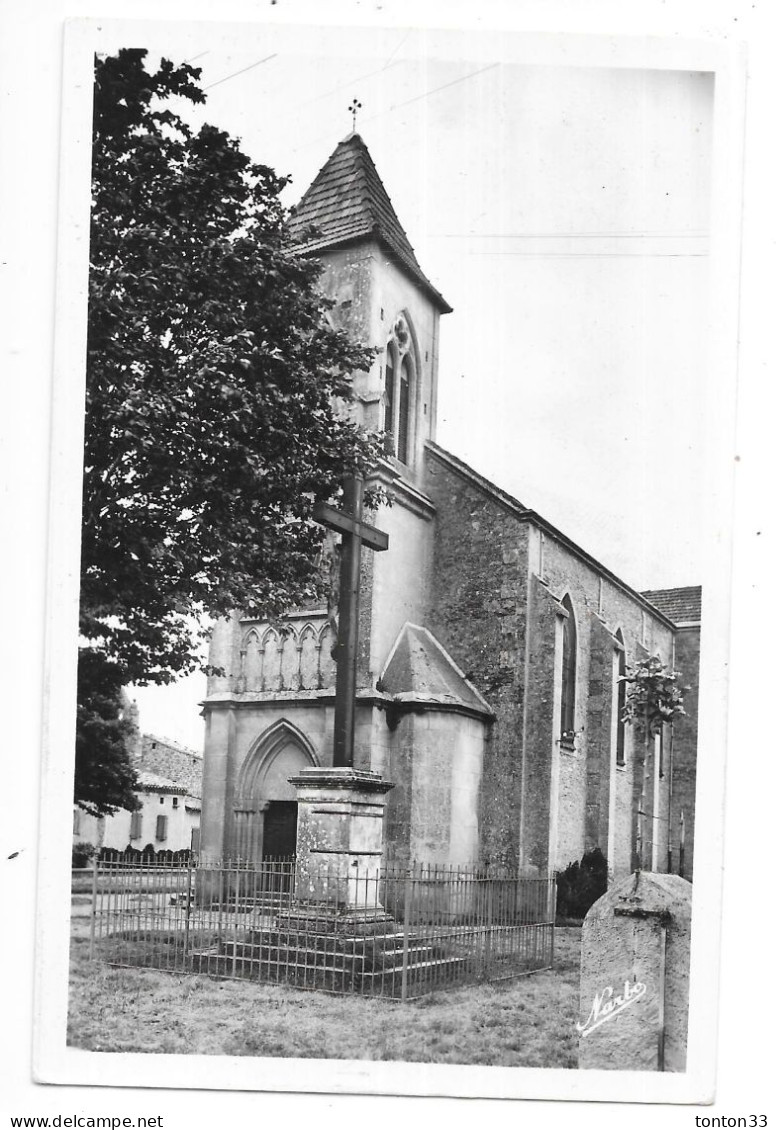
<point>478,596</point>
<point>400,591</point>
<point>435,761</point>
<point>600,728</point>
<point>598,604</point>
<point>684,752</point>
<point>543,776</point>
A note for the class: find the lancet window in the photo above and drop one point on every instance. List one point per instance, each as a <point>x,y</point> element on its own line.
<point>569,660</point>
<point>399,391</point>
<point>621,700</point>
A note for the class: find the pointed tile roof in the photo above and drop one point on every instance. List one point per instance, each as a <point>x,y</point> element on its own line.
<point>348,202</point>
<point>420,670</point>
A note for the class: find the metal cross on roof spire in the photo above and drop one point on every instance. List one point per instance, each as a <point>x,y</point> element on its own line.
<point>355,105</point>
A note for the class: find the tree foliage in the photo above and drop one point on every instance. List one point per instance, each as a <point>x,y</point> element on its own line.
<point>214,383</point>
<point>216,391</point>
<point>581,884</point>
<point>105,779</point>
<point>654,695</point>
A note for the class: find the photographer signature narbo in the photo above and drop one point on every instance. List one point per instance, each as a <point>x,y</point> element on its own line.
<point>606,1005</point>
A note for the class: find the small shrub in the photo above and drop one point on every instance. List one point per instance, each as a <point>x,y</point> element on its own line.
<point>581,884</point>
<point>82,854</point>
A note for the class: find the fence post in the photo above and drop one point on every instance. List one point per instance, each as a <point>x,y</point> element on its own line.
<point>552,916</point>
<point>235,928</point>
<point>489,917</point>
<point>94,909</point>
<point>188,908</point>
<point>406,920</point>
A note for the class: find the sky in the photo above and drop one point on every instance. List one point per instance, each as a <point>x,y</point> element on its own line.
<point>564,213</point>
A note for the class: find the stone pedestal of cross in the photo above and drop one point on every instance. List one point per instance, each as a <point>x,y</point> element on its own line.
<point>340,809</point>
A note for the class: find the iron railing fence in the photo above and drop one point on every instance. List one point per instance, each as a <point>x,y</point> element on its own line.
<point>397,932</point>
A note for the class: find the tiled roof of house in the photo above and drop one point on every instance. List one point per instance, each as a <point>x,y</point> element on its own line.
<point>346,202</point>
<point>179,766</point>
<point>682,605</point>
<point>152,782</point>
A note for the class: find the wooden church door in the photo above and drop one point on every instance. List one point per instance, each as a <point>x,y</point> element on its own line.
<point>279,835</point>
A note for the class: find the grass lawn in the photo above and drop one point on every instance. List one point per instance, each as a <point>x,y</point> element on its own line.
<point>529,1022</point>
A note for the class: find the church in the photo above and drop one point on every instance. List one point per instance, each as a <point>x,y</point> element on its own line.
<point>490,645</point>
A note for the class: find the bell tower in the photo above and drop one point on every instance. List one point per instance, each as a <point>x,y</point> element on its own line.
<point>381,298</point>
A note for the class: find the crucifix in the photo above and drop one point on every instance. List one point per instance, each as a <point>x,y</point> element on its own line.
<point>355,533</point>
<point>353,108</point>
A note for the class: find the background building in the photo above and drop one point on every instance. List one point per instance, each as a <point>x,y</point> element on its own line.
<point>170,792</point>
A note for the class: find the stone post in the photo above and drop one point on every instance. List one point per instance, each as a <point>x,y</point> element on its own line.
<point>635,951</point>
<point>340,829</point>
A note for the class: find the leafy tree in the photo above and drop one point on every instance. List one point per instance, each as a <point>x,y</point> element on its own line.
<point>105,778</point>
<point>213,383</point>
<point>654,696</point>
<point>581,884</point>
<point>214,396</point>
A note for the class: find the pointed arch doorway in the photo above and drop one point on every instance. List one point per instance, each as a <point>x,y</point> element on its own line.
<point>266,804</point>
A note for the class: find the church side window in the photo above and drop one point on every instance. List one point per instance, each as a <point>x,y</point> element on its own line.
<point>569,657</point>
<point>404,410</point>
<point>389,396</point>
<point>621,701</point>
<point>399,392</point>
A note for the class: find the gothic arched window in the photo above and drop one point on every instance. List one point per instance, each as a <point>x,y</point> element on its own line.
<point>404,408</point>
<point>569,656</point>
<point>621,700</point>
<point>399,392</point>
<point>389,395</point>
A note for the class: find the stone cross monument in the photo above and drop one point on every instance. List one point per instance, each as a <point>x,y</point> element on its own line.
<point>340,809</point>
<point>354,534</point>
